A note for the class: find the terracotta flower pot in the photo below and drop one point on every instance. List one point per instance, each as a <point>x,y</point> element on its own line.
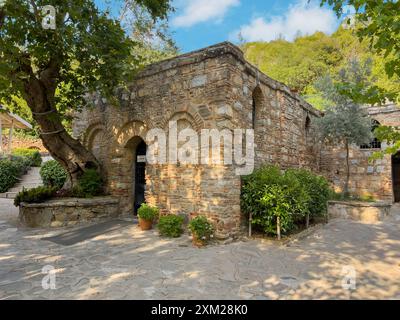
<point>197,242</point>
<point>145,224</point>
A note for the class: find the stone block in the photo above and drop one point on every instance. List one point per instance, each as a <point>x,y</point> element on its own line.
<point>199,81</point>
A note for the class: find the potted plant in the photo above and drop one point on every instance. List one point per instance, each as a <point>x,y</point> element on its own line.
<point>146,215</point>
<point>202,230</point>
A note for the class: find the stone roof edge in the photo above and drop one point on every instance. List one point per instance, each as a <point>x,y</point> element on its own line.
<point>389,108</point>
<point>221,49</point>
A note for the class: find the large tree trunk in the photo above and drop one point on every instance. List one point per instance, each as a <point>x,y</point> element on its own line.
<point>71,154</point>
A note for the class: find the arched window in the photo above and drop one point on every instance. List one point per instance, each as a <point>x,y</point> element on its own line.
<point>375,143</point>
<point>257,105</point>
<point>307,125</point>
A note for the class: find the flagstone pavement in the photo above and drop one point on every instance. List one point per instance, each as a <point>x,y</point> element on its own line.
<point>131,264</point>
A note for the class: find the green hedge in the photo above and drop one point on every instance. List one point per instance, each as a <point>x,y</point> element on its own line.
<point>53,174</point>
<point>31,154</point>
<point>290,197</point>
<point>11,169</point>
<point>35,195</point>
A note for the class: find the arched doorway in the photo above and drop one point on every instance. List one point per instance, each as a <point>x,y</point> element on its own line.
<point>396,176</point>
<point>139,175</point>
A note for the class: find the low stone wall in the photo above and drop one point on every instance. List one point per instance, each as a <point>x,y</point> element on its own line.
<point>360,211</point>
<point>68,211</point>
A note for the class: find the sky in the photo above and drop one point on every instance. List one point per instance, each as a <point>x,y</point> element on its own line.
<point>200,23</point>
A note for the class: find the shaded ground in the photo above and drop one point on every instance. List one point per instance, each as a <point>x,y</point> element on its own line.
<point>130,264</point>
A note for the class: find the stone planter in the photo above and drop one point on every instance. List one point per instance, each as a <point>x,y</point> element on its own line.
<point>370,212</point>
<point>67,211</point>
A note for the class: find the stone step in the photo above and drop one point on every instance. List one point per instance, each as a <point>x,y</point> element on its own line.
<point>25,186</point>
<point>8,195</point>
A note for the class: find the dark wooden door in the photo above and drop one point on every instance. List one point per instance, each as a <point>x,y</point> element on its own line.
<point>396,176</point>
<point>140,178</point>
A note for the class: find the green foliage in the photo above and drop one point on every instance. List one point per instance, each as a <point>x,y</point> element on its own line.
<point>345,121</point>
<point>269,193</point>
<point>36,195</point>
<point>147,212</point>
<point>53,174</point>
<point>317,189</point>
<point>31,154</point>
<point>378,21</point>
<point>90,184</point>
<point>154,42</point>
<point>202,228</point>
<point>391,135</point>
<point>87,52</point>
<point>11,168</point>
<point>170,226</point>
<point>300,63</point>
<point>8,174</point>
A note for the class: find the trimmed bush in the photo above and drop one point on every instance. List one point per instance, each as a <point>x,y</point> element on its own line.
<point>280,201</point>
<point>31,154</point>
<point>53,174</point>
<point>8,174</point>
<point>11,168</point>
<point>22,164</point>
<point>35,195</point>
<point>147,212</point>
<point>201,228</point>
<point>170,226</point>
<point>90,184</point>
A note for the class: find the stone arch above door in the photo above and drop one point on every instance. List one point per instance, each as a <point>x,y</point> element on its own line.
<point>131,129</point>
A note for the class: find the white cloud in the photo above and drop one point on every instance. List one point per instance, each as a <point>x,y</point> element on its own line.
<point>300,17</point>
<point>197,11</point>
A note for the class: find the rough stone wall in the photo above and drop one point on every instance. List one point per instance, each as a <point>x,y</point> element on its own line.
<point>368,178</point>
<point>209,89</point>
<point>283,135</point>
<point>67,212</point>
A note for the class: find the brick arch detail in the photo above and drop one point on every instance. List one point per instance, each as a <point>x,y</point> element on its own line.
<point>193,117</point>
<point>131,129</point>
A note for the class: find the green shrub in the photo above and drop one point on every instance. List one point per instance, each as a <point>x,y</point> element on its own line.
<point>90,184</point>
<point>31,154</point>
<point>317,188</point>
<point>147,212</point>
<point>21,164</point>
<point>8,174</point>
<point>271,195</point>
<point>36,195</point>
<point>201,228</point>
<point>170,226</point>
<point>53,174</point>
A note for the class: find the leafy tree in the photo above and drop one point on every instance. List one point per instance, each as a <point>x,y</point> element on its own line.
<point>378,21</point>
<point>152,35</point>
<point>53,69</point>
<point>345,122</point>
<point>301,62</point>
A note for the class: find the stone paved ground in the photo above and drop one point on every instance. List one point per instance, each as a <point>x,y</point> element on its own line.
<point>131,264</point>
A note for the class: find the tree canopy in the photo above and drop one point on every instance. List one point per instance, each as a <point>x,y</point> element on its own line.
<point>300,63</point>
<point>379,22</point>
<point>53,68</point>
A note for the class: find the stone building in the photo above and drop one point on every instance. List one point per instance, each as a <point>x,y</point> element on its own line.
<point>213,88</point>
<point>216,88</point>
<point>379,179</point>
